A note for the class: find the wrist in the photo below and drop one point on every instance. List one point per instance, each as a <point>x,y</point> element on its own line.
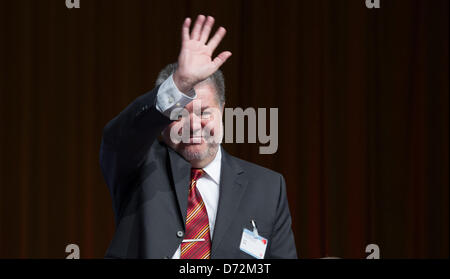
<point>181,83</point>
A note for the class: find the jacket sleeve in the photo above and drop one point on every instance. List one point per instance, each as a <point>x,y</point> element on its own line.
<point>125,144</point>
<point>282,243</point>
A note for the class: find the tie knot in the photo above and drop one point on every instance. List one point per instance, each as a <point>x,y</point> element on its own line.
<point>196,173</point>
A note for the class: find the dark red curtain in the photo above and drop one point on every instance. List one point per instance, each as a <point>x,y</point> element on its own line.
<point>363,115</point>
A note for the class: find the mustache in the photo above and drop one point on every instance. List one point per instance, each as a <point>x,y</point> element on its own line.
<point>200,133</point>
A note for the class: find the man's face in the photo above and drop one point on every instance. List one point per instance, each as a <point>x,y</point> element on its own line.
<point>199,127</point>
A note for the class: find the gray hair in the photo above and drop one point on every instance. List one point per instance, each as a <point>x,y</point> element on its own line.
<point>217,80</point>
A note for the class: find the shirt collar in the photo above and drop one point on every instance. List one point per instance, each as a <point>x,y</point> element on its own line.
<point>213,168</point>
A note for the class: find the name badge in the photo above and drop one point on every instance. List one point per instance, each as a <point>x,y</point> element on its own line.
<point>253,244</point>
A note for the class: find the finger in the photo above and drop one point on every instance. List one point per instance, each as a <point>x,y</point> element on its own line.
<point>195,35</point>
<point>221,58</point>
<point>214,42</point>
<point>206,29</point>
<point>185,30</point>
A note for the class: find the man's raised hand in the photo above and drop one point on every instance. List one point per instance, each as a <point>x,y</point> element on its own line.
<point>195,62</point>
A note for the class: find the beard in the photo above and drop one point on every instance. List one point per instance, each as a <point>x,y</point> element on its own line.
<point>194,154</point>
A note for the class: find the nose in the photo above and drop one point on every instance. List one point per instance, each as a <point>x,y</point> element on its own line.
<point>195,123</point>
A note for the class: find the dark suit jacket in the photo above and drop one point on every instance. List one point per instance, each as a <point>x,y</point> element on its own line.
<point>148,182</point>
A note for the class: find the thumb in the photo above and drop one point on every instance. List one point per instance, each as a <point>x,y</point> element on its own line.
<point>221,58</point>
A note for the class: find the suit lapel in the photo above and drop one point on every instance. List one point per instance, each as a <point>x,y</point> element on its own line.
<point>181,172</point>
<point>232,188</point>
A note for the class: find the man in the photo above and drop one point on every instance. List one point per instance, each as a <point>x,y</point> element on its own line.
<point>187,198</point>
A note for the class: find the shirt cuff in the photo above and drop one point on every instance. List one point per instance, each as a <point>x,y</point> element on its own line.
<point>170,98</point>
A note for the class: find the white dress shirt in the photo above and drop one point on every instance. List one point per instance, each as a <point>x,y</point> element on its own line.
<point>167,99</point>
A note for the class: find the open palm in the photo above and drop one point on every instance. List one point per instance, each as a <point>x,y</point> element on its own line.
<point>195,62</point>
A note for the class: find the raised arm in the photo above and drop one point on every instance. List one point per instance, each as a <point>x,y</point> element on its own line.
<point>127,138</point>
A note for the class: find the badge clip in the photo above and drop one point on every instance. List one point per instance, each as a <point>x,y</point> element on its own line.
<point>255,230</point>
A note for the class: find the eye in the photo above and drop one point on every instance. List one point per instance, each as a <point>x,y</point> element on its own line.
<point>206,114</point>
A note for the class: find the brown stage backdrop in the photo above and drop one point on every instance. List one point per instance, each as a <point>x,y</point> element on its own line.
<point>363,115</point>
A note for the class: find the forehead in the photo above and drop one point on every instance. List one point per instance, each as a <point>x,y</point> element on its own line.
<point>206,95</point>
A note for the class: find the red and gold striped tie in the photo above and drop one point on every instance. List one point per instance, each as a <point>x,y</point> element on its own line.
<point>197,241</point>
